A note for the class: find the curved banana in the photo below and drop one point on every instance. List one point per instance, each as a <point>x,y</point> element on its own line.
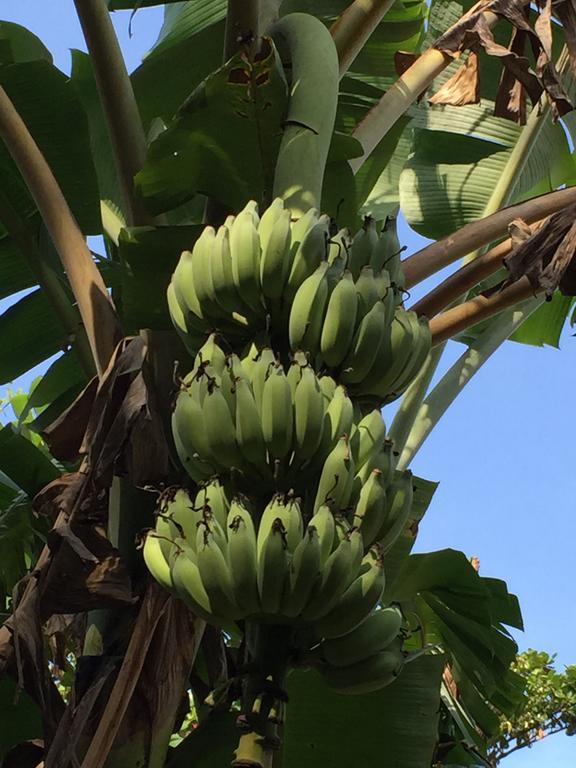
<point>367,291</point>
<point>220,429</point>
<point>242,558</point>
<point>287,511</point>
<point>245,253</point>
<point>188,583</point>
<point>400,496</point>
<point>371,510</point>
<point>304,573</point>
<point>323,522</point>
<point>312,251</point>
<point>215,574</point>
<point>156,561</point>
<point>365,346</point>
<point>339,322</point>
<point>335,484</point>
<point>371,436</point>
<point>273,568</point>
<point>248,427</point>
<point>212,496</point>
<point>277,413</point>
<point>365,676</point>
<point>337,574</point>
<point>307,312</point>
<point>358,600</point>
<point>393,358</point>
<point>262,364</point>
<point>374,634</point>
<point>276,244</point>
<point>309,415</point>
<point>363,245</point>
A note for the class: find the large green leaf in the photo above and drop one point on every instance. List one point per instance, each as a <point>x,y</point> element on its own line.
<point>24,463</point>
<point>546,324</point>
<point>29,333</point>
<point>21,719</point>
<point>224,140</point>
<point>189,48</point>
<point>48,105</point>
<point>396,727</point>
<point>465,614</point>
<point>84,84</point>
<point>18,44</point>
<point>149,256</point>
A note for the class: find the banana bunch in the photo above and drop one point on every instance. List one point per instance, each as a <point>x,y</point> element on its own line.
<point>355,328</point>
<point>279,570</point>
<point>365,659</point>
<point>237,276</point>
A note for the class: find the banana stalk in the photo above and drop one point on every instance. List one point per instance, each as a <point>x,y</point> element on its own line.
<point>308,45</point>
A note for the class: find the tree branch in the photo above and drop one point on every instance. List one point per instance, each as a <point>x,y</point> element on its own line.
<point>455,320</point>
<point>441,254</point>
<point>354,26</point>
<point>462,281</point>
<point>95,305</point>
<point>49,281</point>
<point>118,102</point>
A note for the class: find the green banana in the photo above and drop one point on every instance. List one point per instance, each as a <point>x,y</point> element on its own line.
<point>304,573</point>
<point>261,367</point>
<point>273,568</point>
<point>400,497</point>
<point>287,510</point>
<point>211,353</point>
<point>215,574</point>
<point>362,248</point>
<point>242,558</point>
<point>337,574</point>
<point>245,252</point>
<point>387,248</point>
<point>221,429</point>
<point>373,635</point>
<point>339,322</point>
<point>307,312</point>
<point>202,255</point>
<point>365,676</point>
<point>276,244</point>
<point>185,290</point>
<point>156,560</point>
<point>335,484</point>
<point>309,415</point>
<point>311,252</point>
<point>248,427</point>
<point>187,581</point>
<point>365,346</point>
<point>328,386</point>
<point>371,436</point>
<point>191,338</point>
<point>358,600</point>
<point>277,413</point>
<point>371,510</point>
<point>384,460</point>
<point>323,523</point>
<point>197,468</point>
<point>178,516</point>
<point>395,356</point>
<point>420,350</point>
<point>367,291</point>
<point>212,495</point>
<point>188,423</point>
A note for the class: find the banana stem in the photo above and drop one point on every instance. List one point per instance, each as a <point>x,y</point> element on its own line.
<point>403,93</point>
<point>242,27</point>
<point>454,381</point>
<point>444,252</point>
<point>462,281</point>
<point>50,283</point>
<point>457,319</point>
<point>299,173</point>
<point>96,308</point>
<point>118,102</point>
<point>354,26</point>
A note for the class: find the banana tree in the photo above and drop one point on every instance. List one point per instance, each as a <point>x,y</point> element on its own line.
<point>229,516</point>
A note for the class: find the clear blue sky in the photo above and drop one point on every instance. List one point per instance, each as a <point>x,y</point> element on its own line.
<point>503,453</point>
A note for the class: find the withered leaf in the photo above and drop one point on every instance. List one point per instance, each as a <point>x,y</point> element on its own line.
<point>547,257</point>
<point>463,87</point>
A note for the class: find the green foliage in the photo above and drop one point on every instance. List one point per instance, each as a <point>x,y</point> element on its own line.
<point>550,705</point>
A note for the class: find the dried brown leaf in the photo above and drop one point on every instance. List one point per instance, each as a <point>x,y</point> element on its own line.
<point>463,87</point>
<point>64,436</point>
<point>547,257</point>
